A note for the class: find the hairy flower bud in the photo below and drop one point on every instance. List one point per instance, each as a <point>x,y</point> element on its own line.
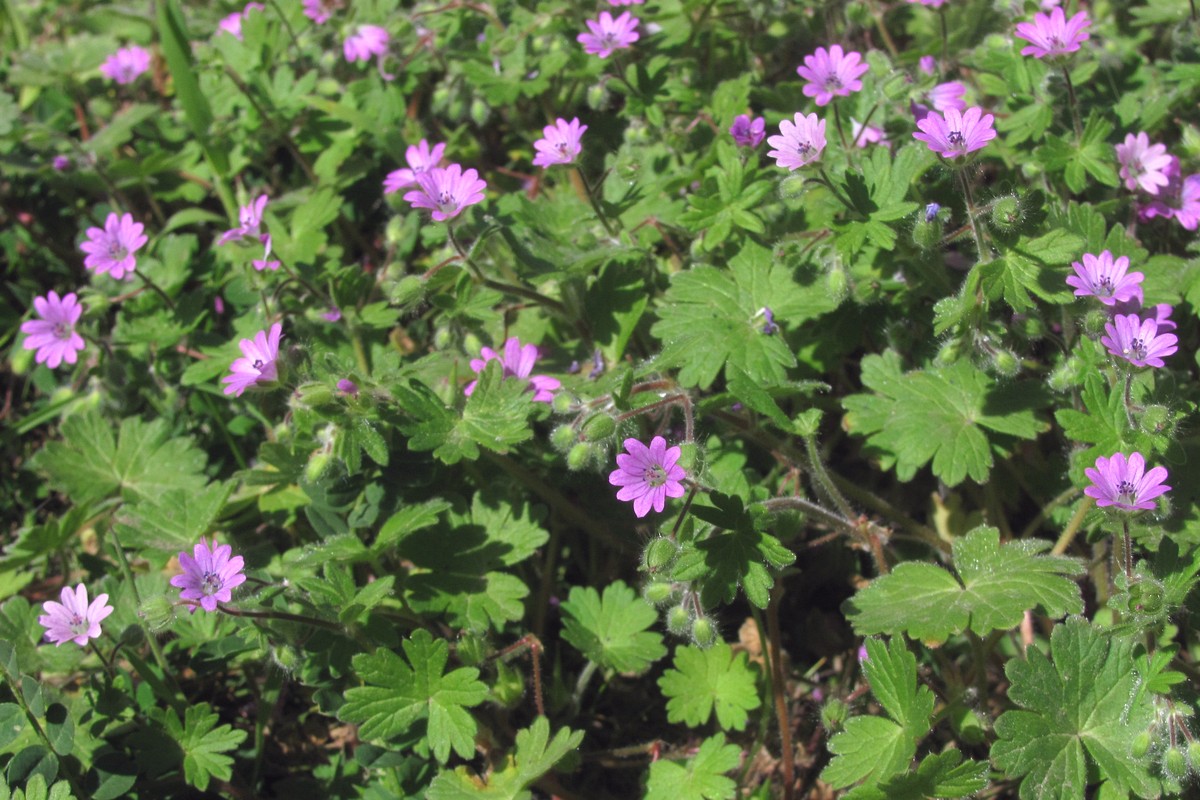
<point>1141,744</point>
<point>1174,763</point>
<point>658,592</point>
<point>689,454</point>
<point>579,456</point>
<point>928,230</point>
<point>598,426</point>
<point>1193,754</point>
<point>316,466</point>
<point>703,632</point>
<point>313,395</point>
<point>678,620</point>
<point>1006,363</point>
<point>158,611</point>
<point>833,714</point>
<point>408,290</point>
<point>563,437</point>
<point>659,553</point>
<point>1006,214</point>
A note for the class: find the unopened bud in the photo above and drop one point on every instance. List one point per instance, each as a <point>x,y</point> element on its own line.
<point>471,649</point>
<point>599,426</point>
<point>678,620</point>
<point>288,658</point>
<point>408,290</point>
<point>1141,744</point>
<point>1006,214</point>
<point>1193,754</point>
<point>1006,363</point>
<point>579,456</point>
<point>689,453</point>
<point>703,633</point>
<point>563,437</point>
<point>597,96</point>
<point>1156,419</point>
<point>317,463</point>
<point>562,402</point>
<point>158,611</point>
<point>792,191</point>
<point>928,230</point>
<point>660,553</point>
<point>1174,763</point>
<point>314,395</point>
<point>833,714</point>
<point>658,592</point>
<point>837,283</point>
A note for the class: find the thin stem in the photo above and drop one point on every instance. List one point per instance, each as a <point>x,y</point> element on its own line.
<point>273,614</point>
<point>809,507</point>
<point>155,287</point>
<point>816,466</point>
<point>1042,515</point>
<point>509,288</point>
<point>945,38</point>
<point>837,121</point>
<point>1128,548</point>
<point>970,201</point>
<point>681,400</point>
<point>585,677</point>
<point>823,179</point>
<point>778,692</point>
<point>1068,534</point>
<point>687,504</point>
<point>884,34</point>
<point>1129,399</point>
<point>1073,103</point>
<point>590,191</point>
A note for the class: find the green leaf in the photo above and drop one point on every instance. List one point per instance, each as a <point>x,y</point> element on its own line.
<point>958,402</point>
<point>738,552</point>
<point>12,723</point>
<point>702,777</point>
<point>939,775</point>
<point>536,755</point>
<point>172,521</point>
<point>204,744</point>
<point>708,317</point>
<point>995,585</point>
<point>400,693</point>
<point>1079,712</point>
<point>707,680</point>
<point>144,461</point>
<point>755,397</point>
<point>1027,268</point>
<point>873,748</point>
<point>611,630</point>
<point>408,520</point>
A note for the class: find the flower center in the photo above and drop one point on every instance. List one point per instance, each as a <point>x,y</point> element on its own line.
<point>956,138</point>
<point>78,625</point>
<point>833,83</point>
<point>210,583</point>
<point>1127,492</point>
<point>62,330</point>
<point>446,201</point>
<point>117,251</point>
<point>258,364</point>
<point>1106,285</point>
<point>655,476</point>
<point>1137,348</point>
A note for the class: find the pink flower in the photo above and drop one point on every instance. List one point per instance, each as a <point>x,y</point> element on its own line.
<point>1138,341</point>
<point>927,64</point>
<point>930,3</point>
<point>625,2</point>
<point>1143,164</point>
<point>320,11</point>
<point>1051,35</point>
<point>232,24</point>
<point>74,619</point>
<point>832,72</point>
<point>748,132</point>
<point>61,163</point>
<point>799,143</point>
<point>111,248</point>
<point>1125,484</point>
<point>421,158</point>
<point>266,262</point>
<point>126,64</point>
<point>608,34</point>
<point>209,575</point>
<point>447,191</point>
<point>365,42</point>
<point>1180,198</point>
<point>54,336</point>
<point>948,95</point>
<point>648,475</point>
<point>1105,279</point>
<point>347,387</point>
<point>868,135</point>
<point>257,364</point>
<point>560,143</point>
<point>334,314</point>
<point>250,217</point>
<point>517,362</point>
<point>956,134</point>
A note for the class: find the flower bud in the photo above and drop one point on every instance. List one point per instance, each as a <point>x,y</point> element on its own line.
<point>833,714</point>
<point>480,111</point>
<point>689,455</point>
<point>678,620</point>
<point>658,592</point>
<point>837,283</point>
<point>1174,763</point>
<point>1141,744</point>
<point>1006,363</point>
<point>1157,419</point>
<point>563,437</point>
<point>792,191</point>
<point>598,426</point>
<point>928,231</point>
<point>659,553</point>
<point>949,353</point>
<point>158,611</point>
<point>1146,597</point>
<point>1006,214</point>
<point>288,658</point>
<point>509,686</point>
<point>563,402</point>
<point>703,633</point>
<point>579,456</point>
<point>1193,754</point>
<point>597,96</point>
<point>408,290</point>
<point>313,395</point>
<point>471,649</point>
<point>317,463</point>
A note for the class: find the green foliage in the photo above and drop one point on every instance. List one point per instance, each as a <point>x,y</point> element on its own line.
<point>959,402</point>
<point>939,775</point>
<point>875,749</point>
<point>536,754</point>
<point>710,680</point>
<point>702,777</point>
<point>1080,709</point>
<point>400,693</point>
<point>878,195</point>
<point>995,584</point>
<point>142,462</point>
<point>611,630</point>
<point>204,744</point>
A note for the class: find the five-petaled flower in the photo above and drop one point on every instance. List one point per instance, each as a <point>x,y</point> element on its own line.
<point>446,192</point>
<point>1180,198</point>
<point>1051,35</point>
<point>517,362</point>
<point>1143,164</point>
<point>648,475</point>
<point>365,42</point>
<point>421,158</point>
<point>798,143</point>
<point>257,364</point>
<point>866,135</point>
<point>748,132</point>
<point>250,217</point>
<point>74,619</point>
<point>111,248</point>
<point>126,64</point>
<point>209,575</point>
<point>607,34</point>
<point>1137,340</point>
<point>1107,279</point>
<point>832,72</point>
<point>948,95</point>
<point>319,11</point>
<point>232,24</point>
<point>956,133</point>
<point>54,336</point>
<point>560,143</point>
<point>1125,483</point>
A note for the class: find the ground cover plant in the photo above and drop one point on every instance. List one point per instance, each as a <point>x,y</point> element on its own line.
<point>672,399</point>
